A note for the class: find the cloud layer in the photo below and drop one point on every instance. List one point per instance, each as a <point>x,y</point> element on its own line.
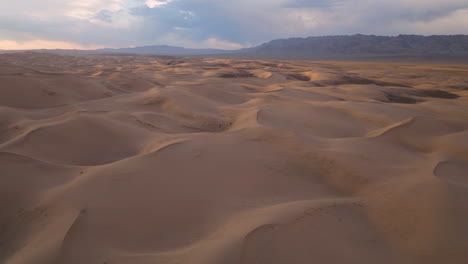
<point>215,23</point>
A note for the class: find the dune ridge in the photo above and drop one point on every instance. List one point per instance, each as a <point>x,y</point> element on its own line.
<point>122,159</point>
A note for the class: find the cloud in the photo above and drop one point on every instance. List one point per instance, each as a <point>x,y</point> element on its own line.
<point>216,43</point>
<point>156,3</point>
<point>104,15</point>
<point>449,23</point>
<point>215,23</point>
<point>42,44</point>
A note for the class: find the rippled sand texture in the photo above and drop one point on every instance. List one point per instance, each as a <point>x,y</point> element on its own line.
<point>205,161</point>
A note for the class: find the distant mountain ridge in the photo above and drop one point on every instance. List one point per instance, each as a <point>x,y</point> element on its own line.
<point>449,48</point>
<point>164,50</point>
<point>334,47</point>
<point>367,45</point>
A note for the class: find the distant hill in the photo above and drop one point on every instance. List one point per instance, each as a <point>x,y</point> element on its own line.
<point>442,48</point>
<point>164,50</point>
<point>439,47</point>
<point>365,46</point>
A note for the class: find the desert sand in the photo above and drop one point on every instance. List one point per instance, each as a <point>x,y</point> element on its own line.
<point>139,160</point>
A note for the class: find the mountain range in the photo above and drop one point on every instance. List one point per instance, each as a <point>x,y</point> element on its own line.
<point>436,47</point>
<point>164,50</point>
<point>367,45</point>
<point>451,47</point>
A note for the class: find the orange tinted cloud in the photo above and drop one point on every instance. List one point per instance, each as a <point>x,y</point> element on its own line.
<point>41,44</point>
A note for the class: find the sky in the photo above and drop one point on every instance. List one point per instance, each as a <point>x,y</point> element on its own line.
<point>223,24</point>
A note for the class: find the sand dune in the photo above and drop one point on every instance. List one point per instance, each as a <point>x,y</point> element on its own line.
<point>119,159</point>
